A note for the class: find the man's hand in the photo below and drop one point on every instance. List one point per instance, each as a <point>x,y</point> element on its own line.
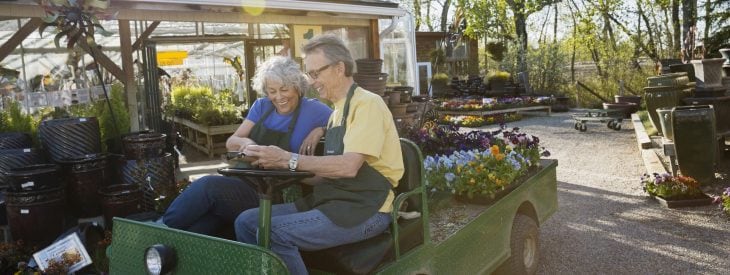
<point>269,157</point>
<point>310,142</point>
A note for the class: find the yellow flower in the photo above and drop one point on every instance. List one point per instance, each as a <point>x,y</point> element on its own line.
<point>472,181</point>
<point>494,150</point>
<point>499,157</point>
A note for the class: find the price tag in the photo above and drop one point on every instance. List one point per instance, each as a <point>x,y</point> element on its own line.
<point>26,150</point>
<point>83,119</point>
<point>27,184</point>
<point>24,211</point>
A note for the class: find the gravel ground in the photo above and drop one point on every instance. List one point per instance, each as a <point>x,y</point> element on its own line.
<point>606,224</point>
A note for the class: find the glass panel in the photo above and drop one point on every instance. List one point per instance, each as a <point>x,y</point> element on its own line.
<point>398,53</point>
<point>356,39</point>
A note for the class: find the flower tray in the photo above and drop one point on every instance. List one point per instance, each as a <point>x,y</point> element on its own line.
<point>703,200</point>
<point>486,199</point>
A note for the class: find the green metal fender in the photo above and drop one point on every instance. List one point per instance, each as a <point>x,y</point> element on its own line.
<point>196,253</point>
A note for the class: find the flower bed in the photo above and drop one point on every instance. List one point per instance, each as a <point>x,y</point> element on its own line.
<point>724,200</point>
<point>476,163</point>
<point>491,103</point>
<point>478,121</point>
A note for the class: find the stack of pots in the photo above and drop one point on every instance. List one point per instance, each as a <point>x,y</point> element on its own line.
<point>403,108</point>
<point>35,204</point>
<point>70,137</point>
<point>665,91</point>
<point>85,175</point>
<point>146,165</point>
<point>15,152</point>
<point>369,75</point>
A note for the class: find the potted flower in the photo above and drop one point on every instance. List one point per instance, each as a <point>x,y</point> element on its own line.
<point>439,83</point>
<point>674,191</point>
<point>724,200</point>
<point>497,80</point>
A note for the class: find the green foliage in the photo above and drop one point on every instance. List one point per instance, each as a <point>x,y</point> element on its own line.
<point>101,110</point>
<point>439,79</point>
<point>498,76</point>
<point>200,105</point>
<point>438,59</point>
<point>12,119</point>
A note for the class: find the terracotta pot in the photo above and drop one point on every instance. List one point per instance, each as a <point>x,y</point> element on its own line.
<point>398,109</point>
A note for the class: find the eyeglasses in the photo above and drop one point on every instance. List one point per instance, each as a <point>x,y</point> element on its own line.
<point>313,74</point>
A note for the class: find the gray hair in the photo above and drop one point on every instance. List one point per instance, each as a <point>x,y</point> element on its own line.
<point>333,49</point>
<point>280,69</point>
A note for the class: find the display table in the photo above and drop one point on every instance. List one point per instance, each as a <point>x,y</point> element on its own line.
<point>202,137</point>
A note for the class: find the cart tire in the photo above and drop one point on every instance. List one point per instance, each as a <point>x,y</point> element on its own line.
<point>610,124</point>
<point>576,125</point>
<point>583,127</point>
<point>525,247</point>
<point>617,127</point>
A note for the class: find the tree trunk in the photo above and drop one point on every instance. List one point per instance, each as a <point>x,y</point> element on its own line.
<point>649,31</point>
<point>572,54</point>
<point>417,13</point>
<point>670,35</point>
<point>555,25</point>
<point>445,16</point>
<point>708,21</point>
<point>675,29</point>
<point>518,8</point>
<point>689,19</point>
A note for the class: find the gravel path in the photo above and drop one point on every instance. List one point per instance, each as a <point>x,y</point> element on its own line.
<point>606,224</point>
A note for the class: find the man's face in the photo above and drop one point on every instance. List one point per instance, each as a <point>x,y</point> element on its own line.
<point>321,73</point>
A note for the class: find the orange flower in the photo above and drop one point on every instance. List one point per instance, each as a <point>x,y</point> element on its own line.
<point>494,150</point>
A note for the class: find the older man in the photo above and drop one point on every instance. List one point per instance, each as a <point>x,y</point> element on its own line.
<point>354,179</point>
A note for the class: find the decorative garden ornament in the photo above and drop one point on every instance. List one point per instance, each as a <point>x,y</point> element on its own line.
<point>76,19</point>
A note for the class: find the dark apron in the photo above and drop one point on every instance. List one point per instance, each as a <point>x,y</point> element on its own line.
<point>265,136</point>
<point>347,202</point>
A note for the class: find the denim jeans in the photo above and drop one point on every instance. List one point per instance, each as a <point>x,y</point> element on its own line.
<point>209,204</point>
<point>311,230</point>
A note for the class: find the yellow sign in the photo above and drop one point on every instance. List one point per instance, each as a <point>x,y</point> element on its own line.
<point>166,58</point>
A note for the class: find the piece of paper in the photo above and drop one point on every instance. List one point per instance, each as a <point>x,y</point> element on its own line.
<point>71,246</point>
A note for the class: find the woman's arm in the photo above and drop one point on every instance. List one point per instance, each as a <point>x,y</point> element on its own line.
<point>239,140</point>
<point>311,141</point>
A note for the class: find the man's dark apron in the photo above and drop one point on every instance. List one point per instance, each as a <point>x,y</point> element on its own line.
<point>347,202</point>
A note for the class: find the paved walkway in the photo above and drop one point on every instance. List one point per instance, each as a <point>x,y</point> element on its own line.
<point>606,224</point>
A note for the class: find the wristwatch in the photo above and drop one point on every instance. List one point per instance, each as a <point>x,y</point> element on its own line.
<point>293,161</point>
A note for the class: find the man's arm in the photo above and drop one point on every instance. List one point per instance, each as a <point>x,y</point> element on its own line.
<point>342,166</point>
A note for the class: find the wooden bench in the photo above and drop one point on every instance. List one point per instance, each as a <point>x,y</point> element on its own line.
<point>201,136</point>
<point>544,108</point>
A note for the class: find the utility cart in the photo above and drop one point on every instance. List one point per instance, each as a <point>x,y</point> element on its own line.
<point>502,237</point>
<point>612,118</point>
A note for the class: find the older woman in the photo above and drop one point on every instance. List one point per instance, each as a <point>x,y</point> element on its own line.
<point>284,118</point>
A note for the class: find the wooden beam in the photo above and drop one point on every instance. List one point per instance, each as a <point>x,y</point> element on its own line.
<point>375,38</point>
<point>103,60</point>
<point>19,36</point>
<point>145,34</point>
<point>130,90</point>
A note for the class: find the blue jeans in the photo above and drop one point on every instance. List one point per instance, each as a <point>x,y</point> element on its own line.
<point>209,204</point>
<point>311,230</point>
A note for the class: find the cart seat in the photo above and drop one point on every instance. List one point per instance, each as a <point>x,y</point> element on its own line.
<point>365,256</point>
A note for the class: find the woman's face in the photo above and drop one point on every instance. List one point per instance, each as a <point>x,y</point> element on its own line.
<point>285,99</point>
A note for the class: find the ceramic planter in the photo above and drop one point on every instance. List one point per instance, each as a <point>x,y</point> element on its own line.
<point>708,72</point>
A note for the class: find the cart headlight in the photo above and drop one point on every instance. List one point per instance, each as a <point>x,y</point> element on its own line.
<point>159,259</point>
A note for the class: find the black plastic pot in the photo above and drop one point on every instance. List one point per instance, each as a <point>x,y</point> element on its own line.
<point>70,137</point>
<point>144,145</point>
<point>36,217</point>
<point>156,176</point>
<point>34,177</point>
<point>84,175</point>
<point>16,158</point>
<point>15,140</point>
<point>120,200</point>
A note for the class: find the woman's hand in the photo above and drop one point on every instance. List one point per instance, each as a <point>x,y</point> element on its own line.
<point>311,141</point>
<point>268,157</point>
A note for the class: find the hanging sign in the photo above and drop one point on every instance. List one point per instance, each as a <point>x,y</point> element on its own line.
<point>167,58</point>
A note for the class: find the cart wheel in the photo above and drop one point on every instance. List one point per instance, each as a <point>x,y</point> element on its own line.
<point>576,125</point>
<point>617,127</point>
<point>610,124</point>
<point>524,244</point>
<point>583,127</point>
